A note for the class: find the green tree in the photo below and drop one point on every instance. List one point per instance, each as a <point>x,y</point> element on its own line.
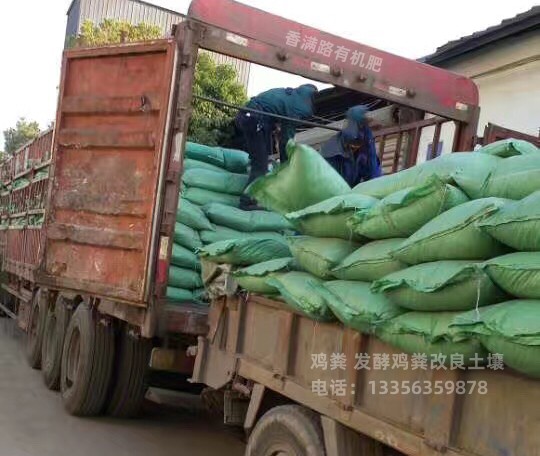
<point>112,31</point>
<point>23,132</point>
<point>211,123</point>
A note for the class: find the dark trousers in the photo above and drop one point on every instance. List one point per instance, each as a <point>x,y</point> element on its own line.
<point>257,132</point>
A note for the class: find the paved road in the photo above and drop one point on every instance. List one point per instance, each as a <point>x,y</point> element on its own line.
<point>33,422</point>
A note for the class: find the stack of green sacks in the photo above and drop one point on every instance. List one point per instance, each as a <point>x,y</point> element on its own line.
<point>404,256</point>
<point>212,182</point>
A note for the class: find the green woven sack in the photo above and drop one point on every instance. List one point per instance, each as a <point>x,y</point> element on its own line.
<point>246,251</point>
<point>189,163</point>
<point>184,278</point>
<point>222,233</point>
<point>184,258</point>
<point>356,306</point>
<point>509,148</point>
<point>187,237</point>
<point>179,294</point>
<point>201,197</point>
<point>511,328</point>
<point>513,178</point>
<point>329,217</point>
<point>440,286</point>
<point>221,182</point>
<point>253,278</point>
<point>402,213</point>
<point>444,167</point>
<point>320,255</point>
<point>305,179</point>
<point>232,160</point>
<point>191,215</point>
<point>246,221</point>
<point>370,262</point>
<point>453,235</point>
<point>300,290</point>
<point>516,224</point>
<point>517,273</point>
<point>430,333</point>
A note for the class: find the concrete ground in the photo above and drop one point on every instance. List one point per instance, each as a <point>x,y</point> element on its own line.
<point>33,421</point>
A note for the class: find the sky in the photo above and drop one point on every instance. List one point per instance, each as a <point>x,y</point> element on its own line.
<point>32,38</point>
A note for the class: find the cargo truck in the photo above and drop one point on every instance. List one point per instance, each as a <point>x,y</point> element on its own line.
<point>88,283</point>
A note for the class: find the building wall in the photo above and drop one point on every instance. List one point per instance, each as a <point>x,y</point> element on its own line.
<point>136,11</point>
<point>508,78</point>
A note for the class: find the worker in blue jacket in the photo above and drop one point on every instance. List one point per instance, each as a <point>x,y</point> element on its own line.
<point>257,129</point>
<point>352,151</point>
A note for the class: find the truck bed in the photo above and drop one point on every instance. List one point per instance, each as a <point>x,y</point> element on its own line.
<point>262,340</point>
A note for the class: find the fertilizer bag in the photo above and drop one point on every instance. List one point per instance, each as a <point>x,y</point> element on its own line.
<point>246,221</point>
<point>305,179</point>
<point>221,182</point>
<point>453,235</point>
<point>253,278</point>
<point>184,278</point>
<point>201,197</point>
<point>300,291</point>
<point>509,148</point>
<point>320,255</point>
<point>222,233</point>
<point>511,328</point>
<point>329,217</point>
<point>440,286</point>
<point>191,215</point>
<point>246,251</point>
<point>232,160</point>
<point>370,262</point>
<point>402,213</point>
<point>184,258</point>
<point>517,273</point>
<point>187,237</point>
<point>356,306</point>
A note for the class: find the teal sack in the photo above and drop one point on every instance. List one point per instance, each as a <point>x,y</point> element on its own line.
<point>440,286</point>
<point>253,278</point>
<point>370,262</point>
<point>356,306</point>
<point>201,197</point>
<point>402,213</point>
<point>222,233</point>
<point>431,333</point>
<point>189,164</point>
<point>320,255</point>
<point>184,278</point>
<point>246,221</point>
<point>511,328</point>
<point>221,182</point>
<point>329,217</point>
<point>232,160</point>
<point>179,294</point>
<point>191,215</point>
<point>305,179</point>
<point>517,273</point>
<point>187,237</point>
<point>454,235</point>
<point>246,251</point>
<point>184,258</point>
<point>300,291</point>
<point>516,224</point>
<point>509,148</point>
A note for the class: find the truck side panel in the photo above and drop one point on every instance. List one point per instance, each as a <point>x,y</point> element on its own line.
<point>107,155</point>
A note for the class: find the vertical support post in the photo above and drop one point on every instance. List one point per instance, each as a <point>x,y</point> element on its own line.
<point>467,132</point>
<point>187,37</point>
<point>435,143</point>
<point>397,153</point>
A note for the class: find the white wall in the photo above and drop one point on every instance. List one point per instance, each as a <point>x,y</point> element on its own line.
<point>508,78</point>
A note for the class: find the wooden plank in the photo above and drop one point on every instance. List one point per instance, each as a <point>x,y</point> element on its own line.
<point>128,240</point>
<point>340,440</point>
<point>283,343</point>
<point>257,395</point>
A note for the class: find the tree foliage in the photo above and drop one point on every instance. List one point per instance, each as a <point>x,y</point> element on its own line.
<point>23,132</point>
<point>112,31</point>
<point>212,124</point>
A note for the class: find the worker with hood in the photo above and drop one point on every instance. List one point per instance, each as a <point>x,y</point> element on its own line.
<point>257,129</point>
<point>352,151</point>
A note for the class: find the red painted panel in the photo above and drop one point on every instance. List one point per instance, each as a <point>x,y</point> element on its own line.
<point>107,155</point>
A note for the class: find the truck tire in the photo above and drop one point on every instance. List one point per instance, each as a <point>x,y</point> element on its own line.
<point>36,327</point>
<point>87,361</point>
<point>129,383</point>
<point>56,325</point>
<point>287,430</point>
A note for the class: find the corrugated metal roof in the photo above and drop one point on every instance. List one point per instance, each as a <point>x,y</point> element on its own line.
<point>136,11</point>
<point>529,20</point>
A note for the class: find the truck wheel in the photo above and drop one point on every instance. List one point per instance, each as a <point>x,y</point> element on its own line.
<point>287,430</point>
<point>53,341</point>
<point>36,327</point>
<point>129,383</point>
<point>87,360</point>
